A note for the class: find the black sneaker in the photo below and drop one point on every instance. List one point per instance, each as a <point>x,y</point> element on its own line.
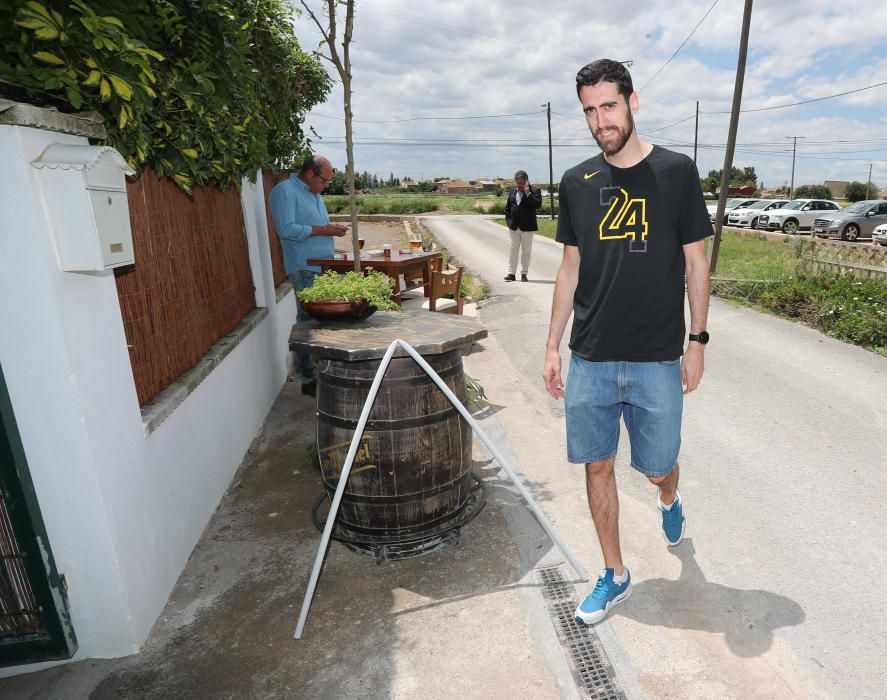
<point>523,278</point>
<point>309,388</point>
<point>509,278</point>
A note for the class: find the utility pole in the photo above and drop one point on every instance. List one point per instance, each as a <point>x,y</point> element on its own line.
<point>696,135</point>
<point>547,106</point>
<point>731,139</point>
<point>868,184</point>
<point>791,191</point>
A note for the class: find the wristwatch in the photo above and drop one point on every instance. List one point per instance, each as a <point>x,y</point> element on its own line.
<point>701,337</point>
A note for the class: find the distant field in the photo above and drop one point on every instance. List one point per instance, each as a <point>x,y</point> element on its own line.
<point>764,274</point>
<point>420,203</point>
<point>740,256</point>
<point>417,203</point>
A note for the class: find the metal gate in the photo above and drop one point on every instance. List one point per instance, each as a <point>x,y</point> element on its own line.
<point>35,624</point>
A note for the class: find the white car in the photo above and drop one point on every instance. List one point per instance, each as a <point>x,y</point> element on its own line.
<point>748,215</point>
<point>879,235</point>
<point>798,214</point>
<point>731,204</point>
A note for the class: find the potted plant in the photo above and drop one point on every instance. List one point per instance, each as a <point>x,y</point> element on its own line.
<point>349,297</point>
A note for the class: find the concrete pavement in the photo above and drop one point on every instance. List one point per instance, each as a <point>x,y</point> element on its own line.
<point>773,594</point>
<point>466,621</point>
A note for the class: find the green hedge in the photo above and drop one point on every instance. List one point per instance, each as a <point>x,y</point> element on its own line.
<point>498,208</point>
<point>203,92</point>
<point>849,309</point>
<point>338,204</point>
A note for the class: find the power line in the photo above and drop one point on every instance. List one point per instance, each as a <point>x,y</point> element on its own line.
<point>663,128</point>
<point>567,116</point>
<point>681,46</point>
<point>418,119</point>
<point>806,102</point>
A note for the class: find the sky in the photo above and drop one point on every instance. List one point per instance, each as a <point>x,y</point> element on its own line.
<point>452,88</point>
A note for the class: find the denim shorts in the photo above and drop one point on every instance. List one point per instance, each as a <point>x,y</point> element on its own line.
<point>649,395</point>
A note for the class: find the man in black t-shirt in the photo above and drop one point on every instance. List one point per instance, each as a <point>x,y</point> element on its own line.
<point>633,221</point>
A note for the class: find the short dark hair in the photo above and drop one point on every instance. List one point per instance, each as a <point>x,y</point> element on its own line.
<point>313,163</point>
<point>521,175</point>
<point>608,70</point>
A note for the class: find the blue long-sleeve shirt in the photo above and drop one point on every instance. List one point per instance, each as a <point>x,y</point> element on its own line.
<point>295,210</point>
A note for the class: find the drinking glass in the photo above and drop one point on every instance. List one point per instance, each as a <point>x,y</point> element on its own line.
<point>415,246</point>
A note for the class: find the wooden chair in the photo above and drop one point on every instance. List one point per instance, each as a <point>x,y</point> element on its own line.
<point>448,282</point>
<point>412,280</point>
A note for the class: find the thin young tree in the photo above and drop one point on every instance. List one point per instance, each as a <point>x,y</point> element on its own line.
<point>342,62</point>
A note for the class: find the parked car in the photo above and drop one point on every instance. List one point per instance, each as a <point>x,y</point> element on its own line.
<point>798,214</point>
<point>879,235</point>
<point>732,203</point>
<point>853,222</point>
<point>748,215</point>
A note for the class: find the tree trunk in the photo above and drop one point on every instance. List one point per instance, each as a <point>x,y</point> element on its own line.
<point>345,73</point>
<point>343,66</point>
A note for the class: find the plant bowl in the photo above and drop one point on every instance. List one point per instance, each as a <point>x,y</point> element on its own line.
<point>344,311</point>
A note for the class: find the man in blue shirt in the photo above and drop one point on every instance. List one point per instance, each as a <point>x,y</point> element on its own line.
<point>304,229</point>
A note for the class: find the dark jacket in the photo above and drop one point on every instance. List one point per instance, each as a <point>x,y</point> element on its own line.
<point>523,216</point>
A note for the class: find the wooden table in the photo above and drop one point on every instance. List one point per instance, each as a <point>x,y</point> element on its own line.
<point>398,264</point>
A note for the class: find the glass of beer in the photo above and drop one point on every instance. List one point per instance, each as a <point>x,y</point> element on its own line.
<point>360,243</point>
<point>415,245</point>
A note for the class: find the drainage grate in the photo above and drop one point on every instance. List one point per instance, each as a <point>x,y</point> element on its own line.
<point>591,667</point>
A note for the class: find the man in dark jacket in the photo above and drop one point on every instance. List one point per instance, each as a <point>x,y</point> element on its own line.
<point>520,214</point>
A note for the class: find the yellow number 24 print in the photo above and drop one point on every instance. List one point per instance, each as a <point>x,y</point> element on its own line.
<point>626,217</point>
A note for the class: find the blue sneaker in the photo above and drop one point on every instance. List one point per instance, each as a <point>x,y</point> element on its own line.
<point>605,595</point>
<point>673,520</point>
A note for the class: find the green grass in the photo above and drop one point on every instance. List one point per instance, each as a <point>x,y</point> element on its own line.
<point>374,204</point>
<point>845,308</point>
<point>419,203</point>
<point>413,203</point>
<point>765,275</point>
<point>547,227</point>
<point>739,256</point>
<point>753,257</point>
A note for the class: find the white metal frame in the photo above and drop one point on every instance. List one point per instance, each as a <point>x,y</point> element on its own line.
<point>352,451</point>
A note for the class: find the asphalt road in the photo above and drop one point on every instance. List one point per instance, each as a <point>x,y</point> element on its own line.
<point>778,590</point>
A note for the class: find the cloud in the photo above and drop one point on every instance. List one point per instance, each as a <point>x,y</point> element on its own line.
<point>458,59</point>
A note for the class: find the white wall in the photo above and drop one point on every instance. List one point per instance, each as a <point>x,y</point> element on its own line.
<point>123,511</point>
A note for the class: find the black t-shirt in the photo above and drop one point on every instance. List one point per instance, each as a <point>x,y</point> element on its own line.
<point>629,225</point>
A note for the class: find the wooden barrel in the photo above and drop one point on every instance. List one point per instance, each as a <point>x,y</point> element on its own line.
<point>412,472</point>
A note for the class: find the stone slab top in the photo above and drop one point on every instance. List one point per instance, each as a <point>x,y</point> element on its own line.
<point>429,333</point>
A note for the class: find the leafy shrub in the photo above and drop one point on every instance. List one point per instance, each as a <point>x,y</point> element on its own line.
<point>497,208</point>
<point>411,206</point>
<point>203,92</point>
<point>338,204</point>
<point>851,310</point>
<point>374,286</point>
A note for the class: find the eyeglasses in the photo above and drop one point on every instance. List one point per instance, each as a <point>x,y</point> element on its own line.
<point>324,180</point>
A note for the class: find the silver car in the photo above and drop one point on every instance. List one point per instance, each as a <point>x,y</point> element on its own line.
<point>879,235</point>
<point>748,215</point>
<point>856,221</point>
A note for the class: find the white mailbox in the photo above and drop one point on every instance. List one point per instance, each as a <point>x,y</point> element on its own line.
<point>84,192</point>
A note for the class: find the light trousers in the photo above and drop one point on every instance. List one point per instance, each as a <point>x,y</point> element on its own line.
<point>521,241</point>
